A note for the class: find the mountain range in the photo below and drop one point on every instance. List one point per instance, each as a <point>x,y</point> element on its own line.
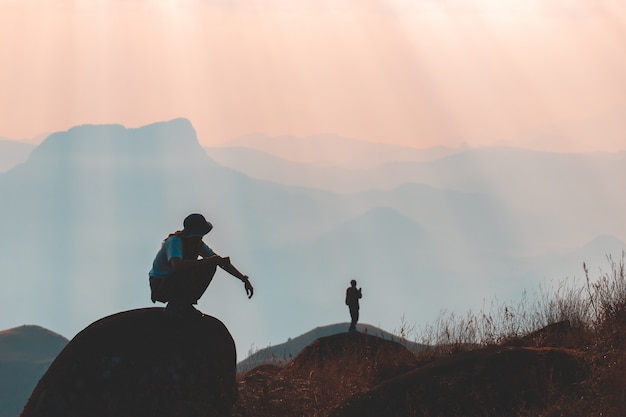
<point>330,151</point>
<point>557,189</point>
<point>85,213</point>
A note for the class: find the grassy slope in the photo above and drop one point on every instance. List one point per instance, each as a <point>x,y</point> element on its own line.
<point>563,354</point>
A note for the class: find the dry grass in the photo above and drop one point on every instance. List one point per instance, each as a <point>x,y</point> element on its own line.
<point>324,374</point>
<point>586,319</point>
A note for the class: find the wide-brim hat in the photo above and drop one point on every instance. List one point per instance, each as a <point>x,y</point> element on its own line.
<point>195,225</point>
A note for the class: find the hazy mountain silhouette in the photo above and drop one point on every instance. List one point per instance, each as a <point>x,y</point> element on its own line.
<point>562,199</point>
<point>88,209</point>
<point>93,203</point>
<point>334,151</point>
<point>402,261</point>
<point>26,352</point>
<point>264,166</point>
<point>557,265</point>
<point>401,247</point>
<point>13,153</point>
<point>572,197</point>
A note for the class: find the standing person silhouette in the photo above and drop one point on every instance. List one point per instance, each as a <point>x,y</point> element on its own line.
<point>352,301</point>
<point>184,267</point>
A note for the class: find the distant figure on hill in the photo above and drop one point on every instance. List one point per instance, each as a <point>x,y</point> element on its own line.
<point>184,267</point>
<point>352,301</point>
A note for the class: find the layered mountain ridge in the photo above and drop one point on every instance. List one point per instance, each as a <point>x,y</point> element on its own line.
<point>86,213</point>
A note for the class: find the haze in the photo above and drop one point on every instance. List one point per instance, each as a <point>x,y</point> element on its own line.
<point>323,76</point>
<point>544,74</point>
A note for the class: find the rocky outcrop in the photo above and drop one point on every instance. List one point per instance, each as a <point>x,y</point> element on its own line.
<point>366,359</point>
<point>498,381</point>
<point>141,363</point>
<point>284,352</point>
<point>323,374</point>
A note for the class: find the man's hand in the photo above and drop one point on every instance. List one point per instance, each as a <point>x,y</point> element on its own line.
<point>249,288</point>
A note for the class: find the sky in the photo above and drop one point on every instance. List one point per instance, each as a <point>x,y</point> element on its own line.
<point>541,74</point>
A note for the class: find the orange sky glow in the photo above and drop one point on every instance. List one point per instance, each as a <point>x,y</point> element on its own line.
<point>543,74</point>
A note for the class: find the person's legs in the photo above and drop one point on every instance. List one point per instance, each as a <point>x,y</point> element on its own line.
<point>184,288</point>
<point>201,278</point>
<point>157,292</point>
<point>354,315</point>
<point>162,289</point>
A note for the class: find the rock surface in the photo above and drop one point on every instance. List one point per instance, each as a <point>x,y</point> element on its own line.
<point>368,359</point>
<point>323,374</point>
<point>141,363</point>
<point>498,381</point>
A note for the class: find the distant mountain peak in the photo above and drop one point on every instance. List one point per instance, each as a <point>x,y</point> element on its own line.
<point>31,343</point>
<point>605,243</point>
<point>176,138</point>
<point>28,330</point>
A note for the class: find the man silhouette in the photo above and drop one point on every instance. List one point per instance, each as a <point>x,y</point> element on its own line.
<point>352,301</point>
<point>184,267</point>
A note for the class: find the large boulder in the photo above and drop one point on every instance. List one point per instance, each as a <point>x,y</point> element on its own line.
<point>141,363</point>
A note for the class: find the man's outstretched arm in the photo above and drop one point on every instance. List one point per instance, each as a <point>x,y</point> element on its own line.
<point>227,266</point>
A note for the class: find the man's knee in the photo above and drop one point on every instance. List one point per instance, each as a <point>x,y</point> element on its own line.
<point>207,269</point>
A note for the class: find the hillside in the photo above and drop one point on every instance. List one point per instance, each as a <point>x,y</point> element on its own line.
<point>26,352</point>
<point>561,355</point>
<point>13,153</point>
<point>532,185</point>
<point>284,352</point>
<point>327,150</point>
<point>352,375</point>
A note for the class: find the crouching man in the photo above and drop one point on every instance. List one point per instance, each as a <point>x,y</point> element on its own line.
<point>184,267</point>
